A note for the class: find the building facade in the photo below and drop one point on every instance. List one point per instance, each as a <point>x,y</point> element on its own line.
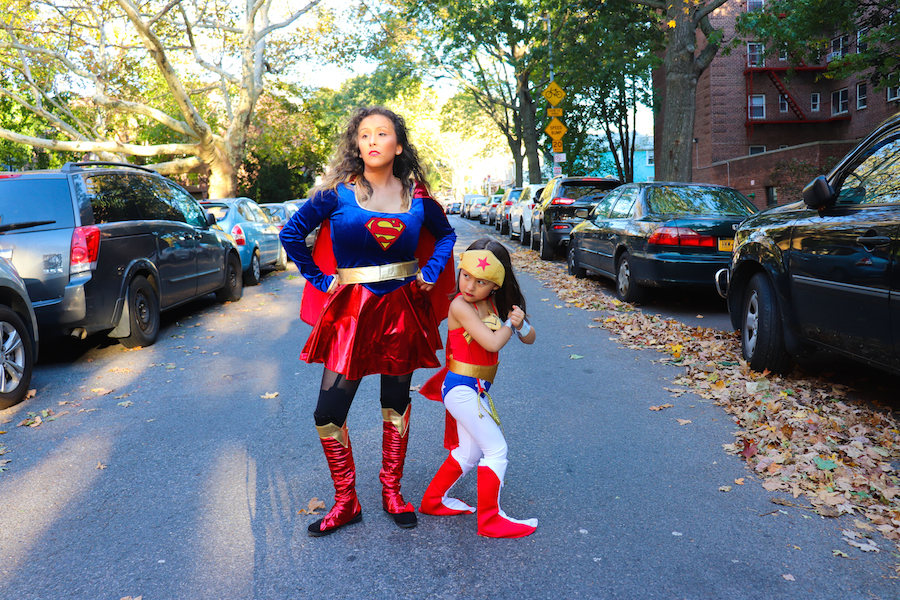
<point>766,128</point>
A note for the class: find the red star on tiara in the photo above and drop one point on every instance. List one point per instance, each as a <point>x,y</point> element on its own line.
<point>483,263</point>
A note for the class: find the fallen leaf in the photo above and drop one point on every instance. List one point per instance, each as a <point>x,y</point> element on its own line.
<point>314,505</point>
<point>684,421</point>
<point>839,553</point>
<point>866,546</point>
<point>789,577</point>
<point>126,403</point>
<point>662,407</point>
<point>725,488</point>
<point>100,465</point>
<point>269,395</point>
<point>739,481</point>
<point>101,391</point>
<point>31,394</point>
<point>575,356</point>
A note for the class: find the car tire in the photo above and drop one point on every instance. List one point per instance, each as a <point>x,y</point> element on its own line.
<point>535,239</point>
<point>234,285</point>
<point>18,358</point>
<point>254,273</point>
<point>143,314</point>
<point>627,289</point>
<point>762,336</point>
<point>523,235</point>
<point>281,263</point>
<point>572,262</point>
<point>546,249</point>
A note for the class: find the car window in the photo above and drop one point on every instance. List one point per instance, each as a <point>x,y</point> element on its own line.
<point>602,209</point>
<point>49,204</point>
<point>258,214</point>
<point>219,211</point>
<point>697,200</point>
<point>168,207</point>
<point>875,178</point>
<point>192,210</point>
<point>624,204</point>
<point>577,190</point>
<point>112,197</point>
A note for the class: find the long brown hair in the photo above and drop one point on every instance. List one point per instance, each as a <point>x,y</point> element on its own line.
<point>509,294</point>
<point>347,165</point>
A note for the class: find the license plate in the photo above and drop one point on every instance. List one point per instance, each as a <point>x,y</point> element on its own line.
<point>726,244</point>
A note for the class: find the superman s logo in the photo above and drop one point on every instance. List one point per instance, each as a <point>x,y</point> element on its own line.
<point>385,230</point>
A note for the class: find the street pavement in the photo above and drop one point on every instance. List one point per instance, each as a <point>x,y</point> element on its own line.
<point>175,471</point>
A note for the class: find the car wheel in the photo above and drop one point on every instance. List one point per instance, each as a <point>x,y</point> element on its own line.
<point>523,235</point>
<point>18,358</point>
<point>234,286</point>
<point>546,248</point>
<point>572,262</point>
<point>535,239</point>
<point>627,288</point>
<point>504,227</point>
<point>253,274</point>
<point>762,338</point>
<point>143,312</point>
<point>282,262</point>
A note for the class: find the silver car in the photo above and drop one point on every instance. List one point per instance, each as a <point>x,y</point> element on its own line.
<point>18,336</point>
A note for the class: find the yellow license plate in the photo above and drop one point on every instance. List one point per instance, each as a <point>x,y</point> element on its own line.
<point>726,245</point>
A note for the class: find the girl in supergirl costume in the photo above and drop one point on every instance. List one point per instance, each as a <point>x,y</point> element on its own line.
<point>484,316</point>
<point>366,296</point>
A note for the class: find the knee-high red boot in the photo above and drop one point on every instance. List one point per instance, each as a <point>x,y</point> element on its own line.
<point>393,454</point>
<point>492,521</point>
<point>435,500</point>
<point>346,510</point>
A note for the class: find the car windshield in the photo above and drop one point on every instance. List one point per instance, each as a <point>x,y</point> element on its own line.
<point>218,210</point>
<point>52,212</point>
<point>587,191</point>
<point>697,200</point>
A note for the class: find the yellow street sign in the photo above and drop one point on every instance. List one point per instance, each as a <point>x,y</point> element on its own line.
<point>553,93</point>
<point>554,112</point>
<point>556,130</point>
<point>557,146</point>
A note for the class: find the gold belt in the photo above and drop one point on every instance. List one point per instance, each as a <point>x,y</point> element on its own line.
<point>378,273</point>
<point>485,372</point>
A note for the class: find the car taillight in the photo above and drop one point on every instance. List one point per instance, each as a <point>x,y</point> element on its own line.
<point>563,201</point>
<point>681,236</point>
<point>85,249</point>
<point>10,176</point>
<point>237,233</point>
<point>531,206</point>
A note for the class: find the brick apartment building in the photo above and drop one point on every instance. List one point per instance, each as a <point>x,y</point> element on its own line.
<point>767,130</point>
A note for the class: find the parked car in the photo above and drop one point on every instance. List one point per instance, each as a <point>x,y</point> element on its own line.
<point>473,209</point>
<point>490,209</point>
<point>509,198</point>
<point>107,246</point>
<point>520,213</point>
<point>280,212</point>
<point>466,201</point>
<point>553,219</point>
<point>18,336</point>
<point>822,272</point>
<point>454,208</point>
<point>255,235</point>
<point>658,234</point>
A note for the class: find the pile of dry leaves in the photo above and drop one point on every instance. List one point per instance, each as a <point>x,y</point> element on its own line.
<point>799,435</point>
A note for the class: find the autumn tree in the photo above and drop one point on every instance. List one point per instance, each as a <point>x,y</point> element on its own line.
<point>100,74</point>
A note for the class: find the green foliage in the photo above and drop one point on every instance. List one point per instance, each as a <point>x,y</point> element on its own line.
<point>804,30</point>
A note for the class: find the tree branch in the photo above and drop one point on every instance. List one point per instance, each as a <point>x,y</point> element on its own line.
<point>98,147</point>
<point>142,109</point>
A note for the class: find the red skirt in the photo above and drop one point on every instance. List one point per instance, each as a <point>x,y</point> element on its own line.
<point>360,333</point>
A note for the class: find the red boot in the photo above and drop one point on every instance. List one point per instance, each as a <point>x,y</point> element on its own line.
<point>393,455</point>
<point>435,500</point>
<point>492,521</point>
<point>346,510</point>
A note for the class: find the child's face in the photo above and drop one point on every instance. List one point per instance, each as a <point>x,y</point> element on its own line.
<point>474,289</point>
<point>377,141</point>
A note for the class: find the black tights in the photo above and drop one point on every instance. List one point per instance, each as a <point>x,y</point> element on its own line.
<point>337,392</point>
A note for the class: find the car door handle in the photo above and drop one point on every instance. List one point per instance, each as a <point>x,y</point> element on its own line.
<point>873,241</point>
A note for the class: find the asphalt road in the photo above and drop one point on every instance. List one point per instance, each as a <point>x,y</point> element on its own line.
<point>183,481</point>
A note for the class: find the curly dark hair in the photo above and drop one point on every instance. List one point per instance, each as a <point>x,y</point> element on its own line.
<point>509,294</point>
<point>347,165</point>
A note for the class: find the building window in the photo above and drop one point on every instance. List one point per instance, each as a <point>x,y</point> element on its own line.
<point>757,150</point>
<point>650,158</point>
<point>782,103</point>
<point>814,102</point>
<point>756,54</point>
<point>861,44</point>
<point>783,55</point>
<point>755,5</point>
<point>771,196</point>
<point>840,102</point>
<point>757,106</point>
<point>861,100</point>
<point>893,93</point>
<point>840,46</point>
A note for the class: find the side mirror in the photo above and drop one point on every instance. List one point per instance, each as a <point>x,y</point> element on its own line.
<point>818,193</point>
<point>210,219</point>
<point>582,213</point>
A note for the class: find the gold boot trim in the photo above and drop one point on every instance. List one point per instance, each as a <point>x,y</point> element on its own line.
<point>332,431</point>
<point>400,422</point>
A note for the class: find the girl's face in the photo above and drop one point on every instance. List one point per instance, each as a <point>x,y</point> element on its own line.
<point>377,141</point>
<point>474,289</point>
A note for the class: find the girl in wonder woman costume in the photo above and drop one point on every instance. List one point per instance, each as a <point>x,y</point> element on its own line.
<point>367,296</point>
<point>484,316</point>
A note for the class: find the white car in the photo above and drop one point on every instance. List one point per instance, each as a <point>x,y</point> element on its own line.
<point>520,212</point>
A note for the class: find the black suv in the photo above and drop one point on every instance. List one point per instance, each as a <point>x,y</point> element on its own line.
<point>108,247</point>
<point>554,217</point>
<point>824,272</point>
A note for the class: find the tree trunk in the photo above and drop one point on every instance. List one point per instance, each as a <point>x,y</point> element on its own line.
<point>679,104</point>
<point>527,110</point>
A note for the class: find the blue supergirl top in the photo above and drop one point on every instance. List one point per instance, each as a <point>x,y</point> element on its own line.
<point>363,238</point>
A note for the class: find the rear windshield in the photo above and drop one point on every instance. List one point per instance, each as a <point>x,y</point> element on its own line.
<point>698,200</point>
<point>587,191</point>
<point>35,204</point>
<point>217,210</point>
